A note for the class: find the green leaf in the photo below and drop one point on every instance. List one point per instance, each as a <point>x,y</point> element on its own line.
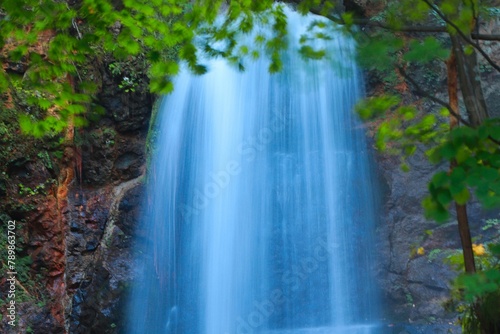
<point>374,106</point>
<point>80,121</point>
<point>488,174</point>
<point>440,179</point>
<point>435,210</point>
<point>128,43</point>
<point>408,112</point>
<point>474,178</point>
<point>427,50</point>
<point>405,168</point>
<point>444,112</point>
<point>260,39</point>
<point>75,109</point>
<point>494,131</point>
<point>379,52</point>
<point>410,150</point>
<point>444,197</point>
<point>161,86</point>
<point>449,7</point>
<point>462,197</point>
<point>463,153</point>
<point>164,68</point>
<point>448,151</point>
<point>25,124</point>
<point>457,175</point>
<point>348,18</point>
<point>199,69</point>
<point>307,52</point>
<point>468,50</point>
<point>494,248</point>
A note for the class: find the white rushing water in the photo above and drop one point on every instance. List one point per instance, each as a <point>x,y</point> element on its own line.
<point>260,210</point>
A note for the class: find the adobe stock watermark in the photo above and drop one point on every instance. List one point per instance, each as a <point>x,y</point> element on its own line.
<point>11,273</point>
<point>292,279</point>
<point>218,181</point>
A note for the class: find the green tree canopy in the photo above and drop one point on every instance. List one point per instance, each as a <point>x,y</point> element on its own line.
<point>53,41</point>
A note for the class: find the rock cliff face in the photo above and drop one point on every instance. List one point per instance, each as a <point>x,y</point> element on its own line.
<point>416,286</point>
<point>76,207</point>
<point>103,208</point>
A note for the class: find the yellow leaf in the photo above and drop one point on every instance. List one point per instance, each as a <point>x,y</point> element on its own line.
<point>478,249</point>
<point>420,251</point>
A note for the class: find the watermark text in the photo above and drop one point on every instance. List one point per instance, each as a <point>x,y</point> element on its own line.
<point>11,272</point>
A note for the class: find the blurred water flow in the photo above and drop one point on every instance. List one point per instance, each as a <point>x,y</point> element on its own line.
<point>261,211</point>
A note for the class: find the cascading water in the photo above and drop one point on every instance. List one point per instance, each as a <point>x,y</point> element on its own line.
<point>260,209</point>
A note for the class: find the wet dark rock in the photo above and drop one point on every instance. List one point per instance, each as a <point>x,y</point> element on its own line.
<point>100,288</point>
<point>129,209</point>
<point>3,188</point>
<point>130,111</point>
<point>104,209</point>
<point>91,245</point>
<point>126,160</point>
<point>110,156</point>
<point>18,167</point>
<point>17,67</point>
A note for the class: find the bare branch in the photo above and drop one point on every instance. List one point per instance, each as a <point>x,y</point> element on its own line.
<point>485,37</point>
<point>415,29</point>
<point>423,93</point>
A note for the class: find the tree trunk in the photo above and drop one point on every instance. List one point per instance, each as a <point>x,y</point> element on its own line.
<point>463,220</point>
<point>470,84</point>
<point>465,238</point>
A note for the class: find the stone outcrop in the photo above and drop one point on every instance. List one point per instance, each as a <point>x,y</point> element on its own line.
<point>76,207</point>
<point>104,206</point>
<point>105,251</point>
<point>416,286</point>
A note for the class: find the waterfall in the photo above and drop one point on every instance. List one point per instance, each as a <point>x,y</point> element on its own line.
<point>260,210</point>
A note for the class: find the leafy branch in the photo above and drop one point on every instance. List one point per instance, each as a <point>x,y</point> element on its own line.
<point>463,35</point>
